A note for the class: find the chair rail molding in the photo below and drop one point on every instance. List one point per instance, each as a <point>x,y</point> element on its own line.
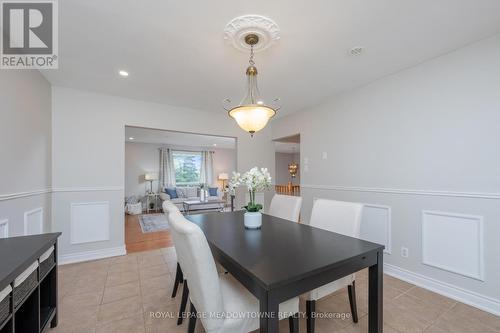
<point>475,195</point>
<point>17,195</point>
<point>11,196</point>
<point>88,189</point>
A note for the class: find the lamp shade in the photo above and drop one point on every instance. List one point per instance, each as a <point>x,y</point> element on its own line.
<point>223,176</point>
<point>150,176</point>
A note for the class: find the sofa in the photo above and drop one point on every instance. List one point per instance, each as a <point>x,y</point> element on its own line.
<point>185,193</point>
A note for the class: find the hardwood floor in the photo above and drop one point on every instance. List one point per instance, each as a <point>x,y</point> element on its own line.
<point>136,241</point>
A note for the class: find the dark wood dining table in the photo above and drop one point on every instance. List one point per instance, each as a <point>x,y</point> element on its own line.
<point>285,259</point>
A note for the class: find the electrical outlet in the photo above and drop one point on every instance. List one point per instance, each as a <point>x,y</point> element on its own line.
<point>404,252</point>
<point>324,155</point>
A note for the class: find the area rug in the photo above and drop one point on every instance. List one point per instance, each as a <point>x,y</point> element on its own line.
<point>153,223</point>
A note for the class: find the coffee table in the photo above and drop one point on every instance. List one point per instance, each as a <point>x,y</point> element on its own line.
<point>192,203</point>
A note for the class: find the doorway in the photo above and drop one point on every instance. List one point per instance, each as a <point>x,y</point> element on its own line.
<point>287,159</point>
<point>194,161</point>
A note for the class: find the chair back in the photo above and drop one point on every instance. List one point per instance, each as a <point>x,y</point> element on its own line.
<point>337,216</point>
<point>198,263</point>
<point>286,207</point>
<point>168,206</point>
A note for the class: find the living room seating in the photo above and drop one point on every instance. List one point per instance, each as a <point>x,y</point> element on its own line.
<point>185,193</point>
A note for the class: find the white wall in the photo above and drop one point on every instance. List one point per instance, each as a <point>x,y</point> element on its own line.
<point>426,138</point>
<point>140,158</point>
<point>144,157</point>
<point>89,156</point>
<point>282,160</point>
<point>25,148</point>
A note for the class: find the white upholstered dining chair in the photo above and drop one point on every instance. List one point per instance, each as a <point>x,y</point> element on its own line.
<point>343,218</point>
<point>170,209</point>
<point>214,294</point>
<point>286,207</point>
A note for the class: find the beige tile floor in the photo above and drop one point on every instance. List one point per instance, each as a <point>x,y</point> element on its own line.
<point>118,295</point>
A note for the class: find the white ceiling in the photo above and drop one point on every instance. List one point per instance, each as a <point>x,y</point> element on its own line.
<point>175,52</point>
<point>145,135</point>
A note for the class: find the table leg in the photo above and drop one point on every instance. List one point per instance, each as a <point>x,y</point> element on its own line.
<point>269,320</point>
<point>375,295</point>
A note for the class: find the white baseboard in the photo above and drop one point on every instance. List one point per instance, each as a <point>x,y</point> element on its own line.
<point>471,298</point>
<point>72,258</point>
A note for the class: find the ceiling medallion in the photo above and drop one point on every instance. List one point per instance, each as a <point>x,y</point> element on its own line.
<point>264,28</point>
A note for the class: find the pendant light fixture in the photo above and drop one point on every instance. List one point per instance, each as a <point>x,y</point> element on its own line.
<point>251,114</point>
<point>293,167</point>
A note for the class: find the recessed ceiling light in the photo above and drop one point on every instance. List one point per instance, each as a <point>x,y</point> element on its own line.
<point>131,138</point>
<point>356,51</point>
<point>123,73</point>
<point>215,145</point>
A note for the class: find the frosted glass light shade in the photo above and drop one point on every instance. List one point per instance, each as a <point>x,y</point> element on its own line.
<point>252,118</point>
<point>151,176</point>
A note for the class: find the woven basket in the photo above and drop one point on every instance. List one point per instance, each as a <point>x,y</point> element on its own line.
<point>4,309</point>
<point>46,265</point>
<point>21,291</point>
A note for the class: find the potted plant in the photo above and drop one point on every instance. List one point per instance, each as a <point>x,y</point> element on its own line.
<point>256,180</point>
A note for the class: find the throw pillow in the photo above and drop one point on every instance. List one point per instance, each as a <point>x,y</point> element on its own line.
<point>181,192</point>
<point>171,192</point>
<point>212,191</point>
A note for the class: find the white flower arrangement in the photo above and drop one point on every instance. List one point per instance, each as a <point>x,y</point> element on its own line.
<point>256,180</point>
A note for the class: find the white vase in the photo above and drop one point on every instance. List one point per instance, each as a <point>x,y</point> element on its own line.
<point>253,220</point>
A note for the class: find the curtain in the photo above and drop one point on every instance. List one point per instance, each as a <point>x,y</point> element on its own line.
<point>167,170</point>
<point>207,168</point>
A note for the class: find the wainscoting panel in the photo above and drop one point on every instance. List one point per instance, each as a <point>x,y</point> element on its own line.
<point>4,228</point>
<point>90,222</point>
<point>376,225</point>
<point>33,222</point>
<point>453,242</point>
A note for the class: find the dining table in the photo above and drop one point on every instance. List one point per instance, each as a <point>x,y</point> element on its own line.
<point>284,259</point>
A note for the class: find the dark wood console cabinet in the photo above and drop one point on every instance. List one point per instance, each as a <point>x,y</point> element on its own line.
<point>37,309</point>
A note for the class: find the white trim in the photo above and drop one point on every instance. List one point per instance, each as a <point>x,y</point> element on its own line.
<point>10,196</point>
<point>30,212</point>
<point>88,189</point>
<point>479,219</point>
<point>6,229</point>
<point>388,248</point>
<point>476,195</point>
<point>471,298</point>
<point>71,258</point>
<point>73,236</point>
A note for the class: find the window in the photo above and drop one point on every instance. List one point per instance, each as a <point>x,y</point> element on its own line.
<point>187,167</point>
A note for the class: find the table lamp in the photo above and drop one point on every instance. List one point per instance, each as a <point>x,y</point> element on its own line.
<point>223,176</point>
<point>150,177</point>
